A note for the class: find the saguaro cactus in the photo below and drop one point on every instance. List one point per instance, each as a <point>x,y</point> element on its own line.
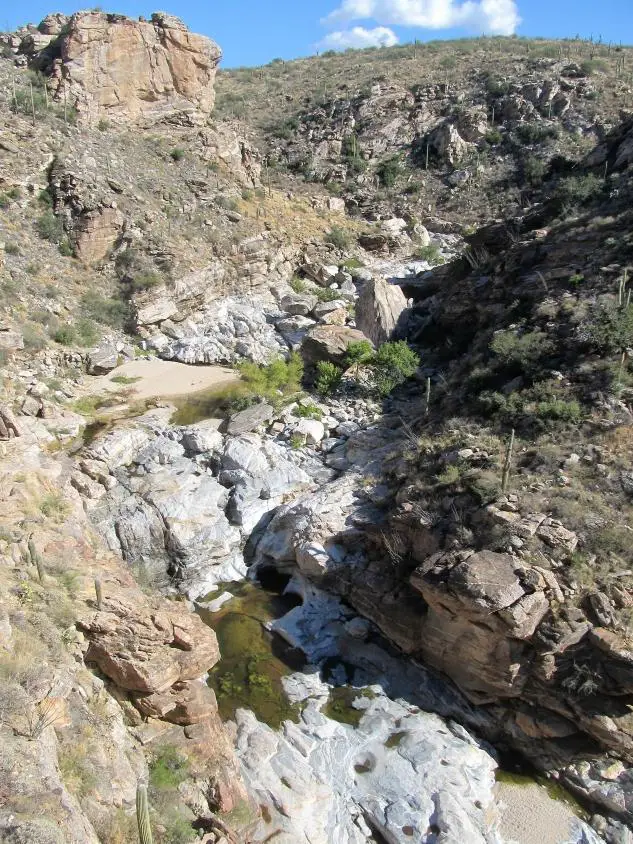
<point>507,465</point>
<point>142,815</point>
<point>99,592</point>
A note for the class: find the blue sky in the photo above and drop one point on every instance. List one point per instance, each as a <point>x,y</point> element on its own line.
<point>253,32</point>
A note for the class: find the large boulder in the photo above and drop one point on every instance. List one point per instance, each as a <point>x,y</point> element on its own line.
<point>448,143</point>
<point>483,609</point>
<point>145,651</point>
<point>379,310</point>
<point>116,67</point>
<point>328,342</point>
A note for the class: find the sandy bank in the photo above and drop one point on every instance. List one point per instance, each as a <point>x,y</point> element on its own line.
<point>163,378</point>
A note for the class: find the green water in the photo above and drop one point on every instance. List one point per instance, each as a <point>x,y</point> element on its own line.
<point>253,660</point>
<point>213,403</point>
<point>340,704</point>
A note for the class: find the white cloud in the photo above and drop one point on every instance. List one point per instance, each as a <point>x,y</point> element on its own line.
<point>500,17</point>
<point>359,37</point>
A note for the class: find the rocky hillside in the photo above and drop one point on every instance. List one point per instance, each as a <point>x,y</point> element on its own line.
<point>463,130</point>
<point>404,510</point>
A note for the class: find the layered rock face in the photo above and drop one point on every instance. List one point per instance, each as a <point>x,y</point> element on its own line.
<point>115,67</point>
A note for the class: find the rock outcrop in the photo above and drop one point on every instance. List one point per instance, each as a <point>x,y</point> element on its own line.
<point>110,66</point>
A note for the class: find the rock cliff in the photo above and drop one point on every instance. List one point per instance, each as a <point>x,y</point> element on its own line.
<point>112,67</point>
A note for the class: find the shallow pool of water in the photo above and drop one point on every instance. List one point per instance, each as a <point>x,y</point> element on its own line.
<point>254,660</point>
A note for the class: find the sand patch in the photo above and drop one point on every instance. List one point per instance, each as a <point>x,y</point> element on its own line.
<point>530,816</point>
<point>163,378</point>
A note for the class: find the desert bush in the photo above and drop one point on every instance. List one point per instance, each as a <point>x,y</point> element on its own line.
<point>307,411</point>
<point>430,253</point>
<point>53,506</point>
<point>177,154</point>
<point>328,378</point>
<point>388,171</point>
<point>144,281</point>
<point>572,191</point>
<point>393,363</point>
<point>65,335</point>
<point>326,294</point>
<point>273,381</point>
<point>535,133</point>
<point>34,338</point>
<point>338,238</point>
<point>168,767</point>
<point>521,351</point>
<point>49,227</point>
<point>11,248</point>
<point>105,310</point>
<point>610,329</point>
<point>533,170</point>
<point>359,352</point>
<point>298,284</point>
<point>560,410</point>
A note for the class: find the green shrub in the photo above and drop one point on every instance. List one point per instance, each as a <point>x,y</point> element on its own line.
<point>308,411</point>
<point>168,768</point>
<point>5,201</point>
<point>65,335</point>
<point>393,363</point>
<point>388,171</point>
<point>610,329</point>
<point>298,285</point>
<point>557,409</point>
<point>66,249</point>
<point>53,506</point>
<point>338,238</point>
<point>494,137</point>
<point>275,380</point>
<point>107,311</point>
<point>49,227</point>
<point>590,66</point>
<point>103,125</point>
<point>326,294</point>
<point>34,338</point>
<point>328,378</point>
<point>535,133</point>
<point>11,248</point>
<point>430,253</point>
<point>45,198</point>
<point>359,352</point>
<point>227,202</point>
<point>533,170</point>
<point>87,333</point>
<point>177,154</point>
<point>572,191</point>
<point>523,351</point>
<point>145,280</point>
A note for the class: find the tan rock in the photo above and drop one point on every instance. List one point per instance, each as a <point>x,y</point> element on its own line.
<point>146,652</point>
<point>329,342</point>
<point>481,616</point>
<point>185,703</point>
<point>113,66</point>
<point>95,233</point>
